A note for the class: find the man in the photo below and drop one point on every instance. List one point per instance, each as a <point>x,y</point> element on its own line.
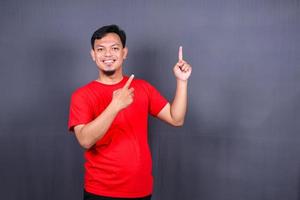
<point>109,117</point>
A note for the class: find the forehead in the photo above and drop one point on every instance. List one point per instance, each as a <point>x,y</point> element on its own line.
<point>108,40</point>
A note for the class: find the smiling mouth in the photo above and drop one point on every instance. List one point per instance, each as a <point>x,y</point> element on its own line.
<point>109,62</point>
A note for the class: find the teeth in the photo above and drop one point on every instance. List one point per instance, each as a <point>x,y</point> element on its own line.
<point>108,61</point>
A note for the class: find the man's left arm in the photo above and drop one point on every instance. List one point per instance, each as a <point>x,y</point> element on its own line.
<point>174,114</point>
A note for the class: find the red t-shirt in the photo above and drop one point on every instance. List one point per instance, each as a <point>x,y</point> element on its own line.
<point>119,164</point>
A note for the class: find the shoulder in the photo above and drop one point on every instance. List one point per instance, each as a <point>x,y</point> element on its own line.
<point>143,85</point>
<point>83,91</point>
<point>141,82</point>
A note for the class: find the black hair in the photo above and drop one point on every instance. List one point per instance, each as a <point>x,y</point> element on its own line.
<point>104,30</point>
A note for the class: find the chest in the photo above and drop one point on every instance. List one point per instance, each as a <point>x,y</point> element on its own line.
<point>138,109</point>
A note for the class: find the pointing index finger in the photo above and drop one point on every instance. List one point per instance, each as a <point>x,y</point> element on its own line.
<point>180,54</point>
<point>127,84</point>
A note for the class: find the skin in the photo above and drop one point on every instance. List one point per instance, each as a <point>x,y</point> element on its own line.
<point>109,48</point>
<point>109,55</point>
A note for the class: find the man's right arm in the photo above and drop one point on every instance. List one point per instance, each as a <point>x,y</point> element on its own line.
<point>88,134</point>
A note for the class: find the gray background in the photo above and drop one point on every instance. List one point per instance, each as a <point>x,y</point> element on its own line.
<point>241,137</point>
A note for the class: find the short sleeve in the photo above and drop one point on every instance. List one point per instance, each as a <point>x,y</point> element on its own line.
<point>80,111</point>
<point>156,101</point>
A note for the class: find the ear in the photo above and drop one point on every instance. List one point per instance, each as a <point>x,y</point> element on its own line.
<point>92,52</point>
<point>125,52</point>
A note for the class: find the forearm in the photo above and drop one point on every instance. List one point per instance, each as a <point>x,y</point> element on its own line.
<point>174,114</point>
<point>90,133</point>
<point>179,104</point>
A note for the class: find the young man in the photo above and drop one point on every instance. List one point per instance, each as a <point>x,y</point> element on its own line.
<point>109,117</point>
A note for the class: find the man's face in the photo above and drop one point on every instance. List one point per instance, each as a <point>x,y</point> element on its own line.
<point>108,53</point>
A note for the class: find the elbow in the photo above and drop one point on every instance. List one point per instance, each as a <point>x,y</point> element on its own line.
<point>85,144</point>
<point>84,141</point>
<point>178,123</point>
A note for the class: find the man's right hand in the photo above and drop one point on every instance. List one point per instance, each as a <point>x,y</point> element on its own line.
<point>123,97</point>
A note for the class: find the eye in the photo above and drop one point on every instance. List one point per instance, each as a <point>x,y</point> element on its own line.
<point>99,49</point>
<point>115,48</point>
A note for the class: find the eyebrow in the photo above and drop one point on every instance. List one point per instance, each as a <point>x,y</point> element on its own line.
<point>115,44</point>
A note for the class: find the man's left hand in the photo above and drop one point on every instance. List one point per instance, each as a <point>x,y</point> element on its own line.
<point>182,70</point>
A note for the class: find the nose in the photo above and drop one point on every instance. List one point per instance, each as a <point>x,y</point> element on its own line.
<point>107,53</point>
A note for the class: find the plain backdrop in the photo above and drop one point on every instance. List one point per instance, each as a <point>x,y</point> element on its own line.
<point>241,137</point>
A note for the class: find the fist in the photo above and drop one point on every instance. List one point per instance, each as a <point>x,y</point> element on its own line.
<point>123,97</point>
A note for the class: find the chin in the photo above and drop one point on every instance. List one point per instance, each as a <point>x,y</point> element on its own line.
<point>109,72</point>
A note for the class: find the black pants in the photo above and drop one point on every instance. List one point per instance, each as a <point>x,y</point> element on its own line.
<point>90,196</point>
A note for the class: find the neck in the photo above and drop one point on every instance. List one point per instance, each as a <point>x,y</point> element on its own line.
<point>109,80</point>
